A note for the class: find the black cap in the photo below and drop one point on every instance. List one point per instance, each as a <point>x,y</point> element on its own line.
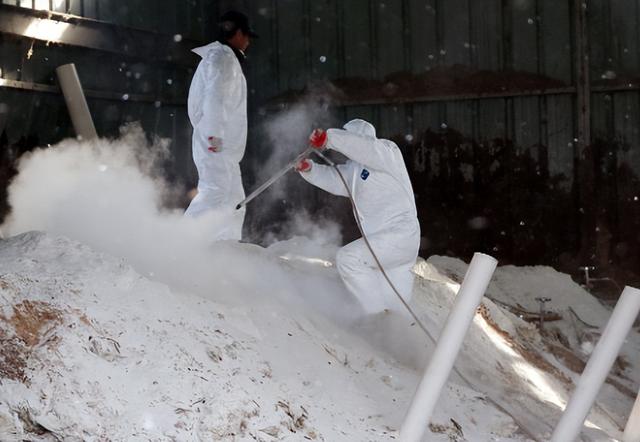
<point>234,20</point>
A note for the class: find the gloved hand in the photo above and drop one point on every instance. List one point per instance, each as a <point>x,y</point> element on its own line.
<point>303,165</point>
<point>215,144</point>
<point>318,139</point>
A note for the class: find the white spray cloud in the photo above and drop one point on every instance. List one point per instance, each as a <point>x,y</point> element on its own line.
<point>287,134</point>
<point>104,194</point>
<point>306,236</point>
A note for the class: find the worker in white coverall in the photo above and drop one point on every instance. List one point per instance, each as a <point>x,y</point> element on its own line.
<point>379,183</point>
<point>217,107</point>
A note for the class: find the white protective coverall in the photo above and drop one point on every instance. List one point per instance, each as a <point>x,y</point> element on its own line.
<point>218,108</point>
<point>379,182</point>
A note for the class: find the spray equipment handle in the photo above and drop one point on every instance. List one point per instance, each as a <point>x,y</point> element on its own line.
<point>276,176</point>
<point>324,157</point>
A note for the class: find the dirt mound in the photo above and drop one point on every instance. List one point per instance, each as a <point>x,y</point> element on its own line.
<point>28,326</point>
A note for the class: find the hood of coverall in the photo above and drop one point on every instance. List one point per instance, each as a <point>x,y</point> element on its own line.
<point>360,127</point>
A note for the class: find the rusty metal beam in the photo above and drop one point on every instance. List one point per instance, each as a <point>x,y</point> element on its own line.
<point>93,34</point>
<point>569,90</point>
<point>101,95</point>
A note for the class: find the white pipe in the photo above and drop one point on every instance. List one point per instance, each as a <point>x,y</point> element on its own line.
<point>632,430</point>
<point>435,376</point>
<point>76,102</point>
<point>597,369</point>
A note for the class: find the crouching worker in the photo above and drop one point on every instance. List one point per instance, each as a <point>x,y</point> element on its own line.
<point>379,183</point>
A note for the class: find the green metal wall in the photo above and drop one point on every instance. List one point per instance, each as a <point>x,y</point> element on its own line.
<point>122,84</point>
<point>306,41</point>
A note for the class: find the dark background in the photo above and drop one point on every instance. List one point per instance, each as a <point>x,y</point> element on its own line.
<point>519,119</point>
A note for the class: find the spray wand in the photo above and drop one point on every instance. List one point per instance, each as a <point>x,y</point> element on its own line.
<point>275,177</point>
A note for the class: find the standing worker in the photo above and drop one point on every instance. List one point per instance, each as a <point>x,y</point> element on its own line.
<point>379,184</point>
<point>218,112</point>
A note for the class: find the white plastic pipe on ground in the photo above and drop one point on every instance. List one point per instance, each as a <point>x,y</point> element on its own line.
<point>435,377</point>
<point>632,430</point>
<point>597,369</point>
<point>76,101</point>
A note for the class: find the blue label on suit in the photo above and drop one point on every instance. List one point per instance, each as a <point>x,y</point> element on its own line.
<point>364,174</point>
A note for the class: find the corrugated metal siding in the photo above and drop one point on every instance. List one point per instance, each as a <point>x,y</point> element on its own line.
<point>44,115</point>
<point>303,41</point>
<point>160,16</point>
<point>358,27</point>
<point>390,36</point>
<point>421,21</point>
<point>529,135</point>
<point>454,24</point>
<point>559,117</point>
<point>485,36</point>
<point>555,39</point>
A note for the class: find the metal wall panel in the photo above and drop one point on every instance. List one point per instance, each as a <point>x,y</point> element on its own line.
<point>41,117</point>
<point>455,28</point>
<point>626,113</point>
<point>624,49</point>
<point>90,8</point>
<point>324,39</point>
<point>263,54</point>
<point>492,120</point>
<point>389,36</point>
<point>111,11</point>
<point>427,116</point>
<point>486,34</point>
<point>358,53</point>
<point>526,124</point>
<point>75,7</point>
<point>560,110</point>
<point>365,112</point>
<point>193,18</point>
<point>600,34</point>
<point>293,54</point>
<point>602,117</point>
<point>460,116</point>
<point>423,34</point>
<point>555,39</point>
<point>393,121</point>
<point>524,24</point>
